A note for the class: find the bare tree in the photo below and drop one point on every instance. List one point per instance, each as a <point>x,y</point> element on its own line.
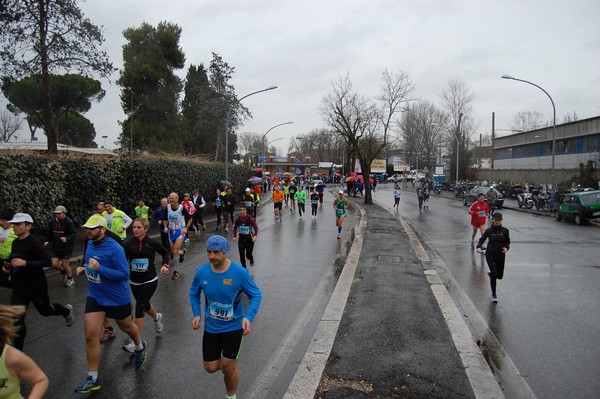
<point>349,114</point>
<point>457,98</point>
<point>9,126</point>
<point>365,123</point>
<point>422,128</point>
<point>570,117</point>
<point>526,121</point>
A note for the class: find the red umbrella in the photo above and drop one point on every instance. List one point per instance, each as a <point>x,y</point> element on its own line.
<point>351,178</point>
<point>361,178</point>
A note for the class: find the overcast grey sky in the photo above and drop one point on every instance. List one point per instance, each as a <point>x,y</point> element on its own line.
<point>302,46</point>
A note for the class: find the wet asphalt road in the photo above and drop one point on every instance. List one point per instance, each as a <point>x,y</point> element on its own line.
<point>547,320</point>
<point>297,264</point>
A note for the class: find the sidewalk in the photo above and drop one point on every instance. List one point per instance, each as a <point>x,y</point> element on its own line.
<point>399,330</point>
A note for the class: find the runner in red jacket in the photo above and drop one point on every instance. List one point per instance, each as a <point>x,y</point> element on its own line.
<point>479,211</point>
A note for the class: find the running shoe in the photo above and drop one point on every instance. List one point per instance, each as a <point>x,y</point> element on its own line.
<point>196,230</point>
<point>203,227</point>
<point>226,230</point>
<point>70,317</point>
<point>70,281</point>
<point>252,263</point>
<point>140,356</point>
<point>175,275</point>
<point>158,323</point>
<point>186,240</point>
<point>88,386</point>
<point>64,278</point>
<point>107,334</point>
<point>182,255</point>
<point>300,218</point>
<point>129,347</point>
<point>339,236</point>
<point>493,298</point>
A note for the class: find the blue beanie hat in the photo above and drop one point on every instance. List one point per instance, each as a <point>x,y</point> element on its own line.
<point>217,243</point>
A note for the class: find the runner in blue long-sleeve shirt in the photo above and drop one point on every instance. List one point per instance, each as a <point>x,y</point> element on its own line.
<point>226,322</point>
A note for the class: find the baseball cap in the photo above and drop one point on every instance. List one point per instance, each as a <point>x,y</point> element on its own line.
<point>95,221</point>
<point>248,189</point>
<point>21,218</point>
<point>60,209</point>
<point>497,215</point>
<point>341,192</point>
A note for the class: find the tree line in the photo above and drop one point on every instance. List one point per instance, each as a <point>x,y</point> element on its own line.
<point>51,54</point>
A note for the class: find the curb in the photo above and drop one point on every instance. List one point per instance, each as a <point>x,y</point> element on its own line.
<point>482,380</point>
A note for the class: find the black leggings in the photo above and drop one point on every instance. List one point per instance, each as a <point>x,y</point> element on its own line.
<point>142,294</point>
<point>33,290</point>
<point>313,208</point>
<point>219,212</point>
<point>301,209</point>
<point>495,263</point>
<point>245,246</point>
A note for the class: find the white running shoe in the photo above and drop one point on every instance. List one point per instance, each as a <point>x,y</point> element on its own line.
<point>129,347</point>
<point>158,323</point>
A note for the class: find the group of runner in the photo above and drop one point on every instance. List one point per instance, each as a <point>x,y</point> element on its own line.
<point>117,266</point>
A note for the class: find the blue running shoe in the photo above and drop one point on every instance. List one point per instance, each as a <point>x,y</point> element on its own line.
<point>88,386</point>
<point>140,356</point>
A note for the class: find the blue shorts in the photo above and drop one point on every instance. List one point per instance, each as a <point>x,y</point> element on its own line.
<point>120,312</point>
<point>175,235</point>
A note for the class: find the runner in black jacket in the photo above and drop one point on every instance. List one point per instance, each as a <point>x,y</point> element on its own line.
<point>498,246</point>
<point>143,279</point>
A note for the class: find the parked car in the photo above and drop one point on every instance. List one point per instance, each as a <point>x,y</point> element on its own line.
<point>580,207</point>
<point>395,178</point>
<point>471,196</point>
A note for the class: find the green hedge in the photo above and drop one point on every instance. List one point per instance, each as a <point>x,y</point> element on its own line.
<point>37,184</point>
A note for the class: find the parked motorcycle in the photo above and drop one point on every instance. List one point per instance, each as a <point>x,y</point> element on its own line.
<point>525,199</point>
<point>538,197</point>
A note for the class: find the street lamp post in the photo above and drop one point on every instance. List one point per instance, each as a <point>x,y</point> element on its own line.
<point>227,126</point>
<point>457,137</point>
<point>553,118</point>
<point>267,132</point>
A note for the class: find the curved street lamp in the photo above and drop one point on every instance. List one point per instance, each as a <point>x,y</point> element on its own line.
<point>236,101</point>
<point>553,118</point>
<point>267,132</point>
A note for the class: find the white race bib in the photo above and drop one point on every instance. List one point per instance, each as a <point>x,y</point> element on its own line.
<point>220,311</point>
